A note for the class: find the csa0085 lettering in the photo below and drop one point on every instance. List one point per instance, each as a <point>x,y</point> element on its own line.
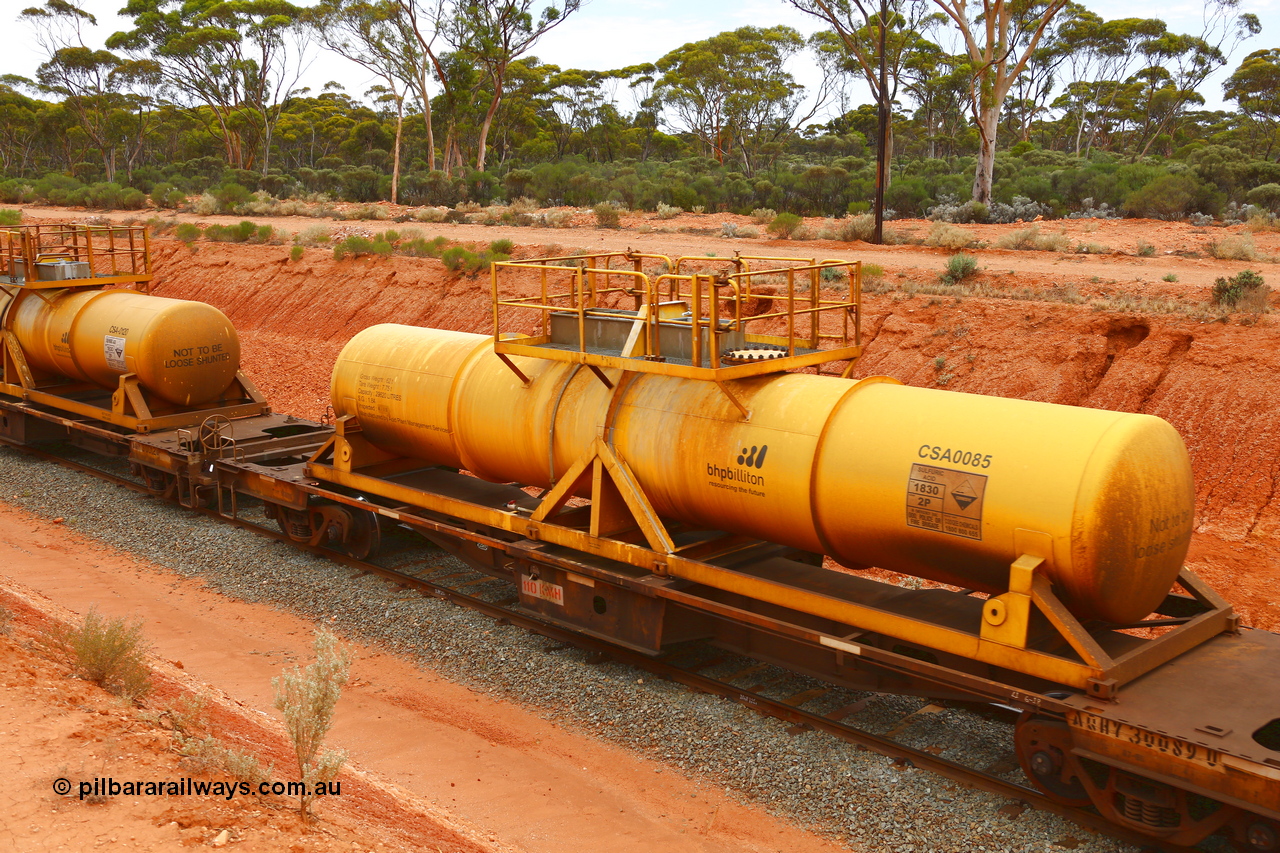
<point>955,455</point>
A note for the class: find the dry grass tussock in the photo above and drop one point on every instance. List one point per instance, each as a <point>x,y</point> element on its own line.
<point>187,720</point>
<point>1232,247</point>
<point>1032,239</point>
<point>948,236</point>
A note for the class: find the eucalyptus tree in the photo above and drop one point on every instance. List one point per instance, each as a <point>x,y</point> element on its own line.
<point>495,33</point>
<point>92,84</point>
<point>999,37</point>
<point>1255,87</point>
<point>239,59</point>
<point>853,42</point>
<point>732,91</point>
<point>377,36</point>
<point>425,22</point>
<point>1189,60</point>
<point>20,126</point>
<point>1100,58</point>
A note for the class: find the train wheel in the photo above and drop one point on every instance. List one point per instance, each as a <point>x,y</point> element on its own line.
<point>351,531</point>
<point>364,535</point>
<point>1044,751</point>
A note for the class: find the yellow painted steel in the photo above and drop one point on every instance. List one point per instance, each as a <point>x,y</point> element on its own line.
<point>184,352</point>
<point>952,487</point>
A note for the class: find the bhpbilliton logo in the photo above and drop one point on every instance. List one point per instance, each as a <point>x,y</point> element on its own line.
<point>750,458</point>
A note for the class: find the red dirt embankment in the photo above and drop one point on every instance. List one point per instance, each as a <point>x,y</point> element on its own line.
<point>1217,383</point>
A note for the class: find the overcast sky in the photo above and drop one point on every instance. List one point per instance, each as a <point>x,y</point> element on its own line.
<point>607,34</point>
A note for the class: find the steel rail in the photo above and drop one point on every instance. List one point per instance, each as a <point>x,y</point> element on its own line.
<point>952,770</point>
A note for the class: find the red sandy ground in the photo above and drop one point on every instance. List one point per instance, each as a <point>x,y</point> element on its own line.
<point>1215,382</point>
<point>433,766</point>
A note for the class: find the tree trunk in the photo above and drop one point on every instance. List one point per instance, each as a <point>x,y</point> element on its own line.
<point>448,150</point>
<point>395,156</point>
<point>488,122</point>
<point>427,120</point>
<point>984,172</point>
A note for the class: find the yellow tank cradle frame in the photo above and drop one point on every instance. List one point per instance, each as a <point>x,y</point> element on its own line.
<point>72,257</point>
<point>678,327</point>
<point>693,319</point>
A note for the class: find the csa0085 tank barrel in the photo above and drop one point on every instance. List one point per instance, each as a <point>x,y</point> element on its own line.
<point>184,352</point>
<point>937,484</point>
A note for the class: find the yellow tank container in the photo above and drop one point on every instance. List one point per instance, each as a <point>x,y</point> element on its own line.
<point>184,352</point>
<point>940,485</point>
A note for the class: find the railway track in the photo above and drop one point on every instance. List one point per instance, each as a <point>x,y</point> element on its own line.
<point>747,684</point>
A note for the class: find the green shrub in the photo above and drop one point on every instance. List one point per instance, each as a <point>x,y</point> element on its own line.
<point>420,248</point>
<point>1171,197</point>
<point>109,652</point>
<point>353,246</point>
<point>296,253</point>
<point>10,217</point>
<point>230,196</point>
<point>959,267</point>
<point>501,247</point>
<point>1265,195</point>
<point>187,232</point>
<point>16,191</point>
<point>1170,277</point>
<point>861,227</point>
<point>455,258</point>
<point>784,225</point>
<point>607,216</point>
<point>1145,249</point>
<point>242,233</point>
<point>1245,286</point>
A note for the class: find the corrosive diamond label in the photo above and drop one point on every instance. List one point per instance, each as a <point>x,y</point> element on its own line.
<point>945,500</point>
